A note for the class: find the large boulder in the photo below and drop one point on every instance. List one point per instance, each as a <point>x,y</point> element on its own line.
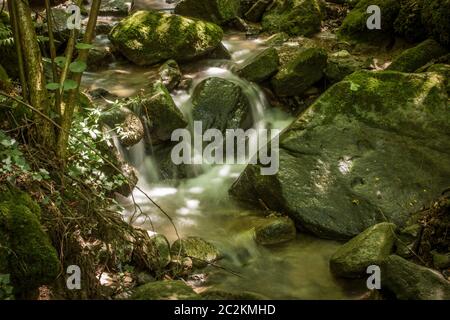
<point>373,146</point>
<point>165,290</point>
<point>305,69</point>
<point>341,64</point>
<point>261,66</point>
<point>220,104</point>
<point>435,17</point>
<point>370,247</point>
<point>409,281</point>
<point>412,59</point>
<point>149,37</point>
<point>217,11</point>
<point>354,25</point>
<point>295,17</point>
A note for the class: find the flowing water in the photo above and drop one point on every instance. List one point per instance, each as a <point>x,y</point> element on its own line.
<point>201,206</point>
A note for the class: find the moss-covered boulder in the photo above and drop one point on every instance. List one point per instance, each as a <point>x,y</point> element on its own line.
<point>220,104</point>
<point>341,64</point>
<point>371,144</point>
<point>170,74</point>
<point>217,11</point>
<point>275,230</point>
<point>25,249</point>
<point>200,251</point>
<point>149,37</point>
<point>435,17</point>
<point>295,77</point>
<point>354,25</point>
<point>256,11</point>
<point>370,247</point>
<point>409,281</point>
<point>408,23</point>
<point>159,114</point>
<point>260,67</point>
<point>128,126</point>
<point>295,17</point>
<point>412,59</point>
<point>444,70</point>
<point>165,290</point>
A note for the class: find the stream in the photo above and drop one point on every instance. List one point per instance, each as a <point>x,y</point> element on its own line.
<point>201,206</point>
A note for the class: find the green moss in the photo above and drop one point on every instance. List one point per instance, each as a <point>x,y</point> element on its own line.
<point>261,66</point>
<point>354,25</point>
<point>31,259</point>
<point>436,19</point>
<point>165,290</point>
<point>296,17</point>
<point>200,251</point>
<point>216,11</point>
<point>409,21</point>
<point>149,37</point>
<point>412,59</point>
<point>444,70</point>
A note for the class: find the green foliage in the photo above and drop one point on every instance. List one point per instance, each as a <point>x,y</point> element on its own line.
<point>6,290</point>
<point>6,36</point>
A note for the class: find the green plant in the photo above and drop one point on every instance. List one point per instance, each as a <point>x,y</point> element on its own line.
<point>6,290</point>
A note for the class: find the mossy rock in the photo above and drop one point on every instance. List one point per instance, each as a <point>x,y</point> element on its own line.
<point>256,11</point>
<point>170,74</point>
<point>200,251</point>
<point>150,37</point>
<point>277,39</point>
<point>31,259</point>
<point>216,11</point>
<point>409,281</point>
<point>412,59</point>
<point>341,64</point>
<point>220,104</point>
<point>261,66</point>
<point>159,114</point>
<point>354,25</point>
<point>165,290</point>
<point>444,70</point>
<point>300,73</point>
<point>370,247</point>
<point>295,17</point>
<point>275,230</point>
<point>435,18</point>
<point>129,127</point>
<point>370,144</point>
<point>409,21</point>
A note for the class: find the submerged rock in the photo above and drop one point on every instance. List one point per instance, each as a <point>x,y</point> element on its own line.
<point>275,230</point>
<point>26,252</point>
<point>409,281</point>
<point>217,11</point>
<point>355,24</point>
<point>170,74</point>
<point>200,251</point>
<point>370,247</point>
<point>300,73</point>
<point>165,290</point>
<point>261,66</point>
<point>220,104</point>
<point>149,37</point>
<point>374,146</point>
<point>412,59</point>
<point>296,17</point>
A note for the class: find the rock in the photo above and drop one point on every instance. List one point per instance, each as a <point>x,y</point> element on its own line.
<point>144,278</point>
<point>216,11</point>
<point>435,15</point>
<point>341,64</point>
<point>408,23</point>
<point>127,125</point>
<point>200,251</point>
<point>116,8</point>
<point>151,252</point>
<point>300,73</point>
<point>170,74</point>
<point>369,248</point>
<point>407,240</point>
<point>354,25</point>
<point>149,37</point>
<point>255,13</point>
<point>260,67</point>
<point>165,290</point>
<point>26,252</point>
<point>409,281</point>
<point>99,57</point>
<point>159,114</point>
<point>444,70</point>
<point>412,59</point>
<point>220,104</point>
<point>372,147</point>
<point>296,17</point>
<point>239,24</point>
<point>220,53</point>
<point>441,260</point>
<point>217,294</point>
<point>277,39</point>
<point>275,230</point>
<point>162,246</point>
